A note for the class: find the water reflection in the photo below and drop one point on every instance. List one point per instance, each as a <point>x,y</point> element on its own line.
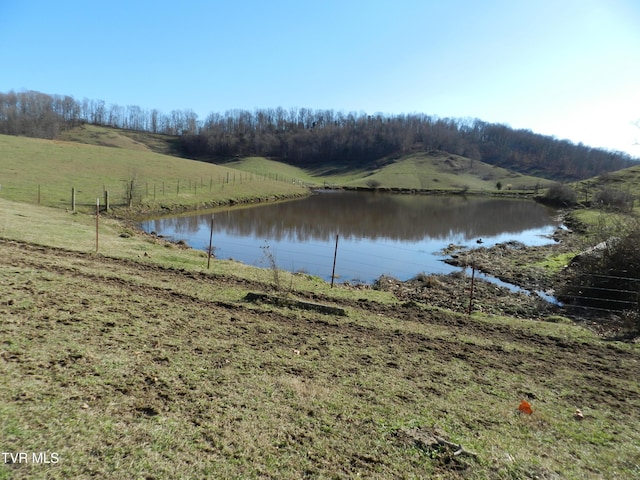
<point>378,232</point>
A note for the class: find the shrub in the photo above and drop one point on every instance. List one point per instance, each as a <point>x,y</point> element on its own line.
<point>561,195</point>
<point>133,191</point>
<point>613,200</point>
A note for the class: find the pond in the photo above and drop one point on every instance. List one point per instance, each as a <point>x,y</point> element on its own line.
<point>397,235</point>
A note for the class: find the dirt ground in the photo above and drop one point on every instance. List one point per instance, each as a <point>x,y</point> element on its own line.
<point>580,355</point>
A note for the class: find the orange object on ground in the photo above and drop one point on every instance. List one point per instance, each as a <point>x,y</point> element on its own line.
<point>525,407</point>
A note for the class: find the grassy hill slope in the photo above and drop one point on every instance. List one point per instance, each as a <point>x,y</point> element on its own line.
<point>44,171</point>
<point>119,138</point>
<point>439,170</point>
<point>428,171</point>
<point>435,170</point>
<point>626,180</point>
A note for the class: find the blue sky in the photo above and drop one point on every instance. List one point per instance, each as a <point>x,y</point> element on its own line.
<point>568,68</point>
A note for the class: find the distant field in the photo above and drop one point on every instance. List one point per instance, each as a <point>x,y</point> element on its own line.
<point>444,171</point>
<point>417,171</point>
<point>272,169</point>
<point>115,137</point>
<point>135,154</point>
<point>45,171</point>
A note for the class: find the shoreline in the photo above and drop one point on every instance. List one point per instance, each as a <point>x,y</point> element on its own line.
<point>144,212</point>
<point>153,211</point>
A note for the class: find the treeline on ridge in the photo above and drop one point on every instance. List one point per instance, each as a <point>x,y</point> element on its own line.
<point>307,137</point>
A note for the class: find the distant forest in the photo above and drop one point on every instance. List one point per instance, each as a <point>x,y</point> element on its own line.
<point>309,138</point>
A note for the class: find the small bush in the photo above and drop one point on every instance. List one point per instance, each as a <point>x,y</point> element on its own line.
<point>428,281</point>
<point>269,259</point>
<point>133,191</point>
<point>613,200</point>
<point>561,195</point>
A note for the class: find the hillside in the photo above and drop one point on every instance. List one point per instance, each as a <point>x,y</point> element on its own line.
<point>122,138</point>
<point>419,171</point>
<point>626,180</point>
<point>433,171</point>
<point>45,171</point>
<point>95,159</point>
<point>440,170</point>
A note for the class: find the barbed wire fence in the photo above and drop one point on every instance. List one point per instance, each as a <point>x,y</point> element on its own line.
<point>610,299</point>
<point>137,189</point>
<point>603,298</point>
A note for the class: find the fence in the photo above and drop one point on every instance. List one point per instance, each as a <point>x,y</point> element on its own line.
<point>133,190</point>
<point>603,293</point>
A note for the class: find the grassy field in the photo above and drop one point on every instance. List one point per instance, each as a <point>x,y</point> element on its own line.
<point>449,172</point>
<point>95,159</point>
<point>45,171</point>
<point>136,361</point>
<point>437,171</point>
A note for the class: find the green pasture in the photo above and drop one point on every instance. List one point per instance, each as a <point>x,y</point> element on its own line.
<point>449,172</point>
<point>45,172</point>
<point>626,181</point>
<point>420,171</point>
<point>316,176</point>
<point>118,138</point>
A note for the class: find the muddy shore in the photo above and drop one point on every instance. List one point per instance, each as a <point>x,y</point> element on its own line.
<point>510,262</point>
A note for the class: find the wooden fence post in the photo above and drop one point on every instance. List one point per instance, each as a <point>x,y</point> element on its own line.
<point>73,199</point>
<point>97,220</point>
<point>333,270</point>
<point>210,244</point>
<point>473,274</point>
